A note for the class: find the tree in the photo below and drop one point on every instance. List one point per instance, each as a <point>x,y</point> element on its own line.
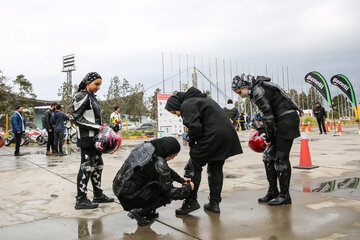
<point>66,98</point>
<point>24,86</point>
<point>341,105</point>
<point>314,97</point>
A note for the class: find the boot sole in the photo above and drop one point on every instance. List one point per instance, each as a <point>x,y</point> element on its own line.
<point>95,201</point>
<point>213,211</point>
<point>284,203</point>
<point>84,207</point>
<point>184,212</point>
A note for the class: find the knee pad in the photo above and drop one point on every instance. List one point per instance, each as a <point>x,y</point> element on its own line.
<point>268,155</point>
<point>189,169</point>
<point>86,167</point>
<point>281,161</point>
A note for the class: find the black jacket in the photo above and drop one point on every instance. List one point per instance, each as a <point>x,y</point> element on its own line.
<point>319,113</point>
<point>142,168</point>
<point>279,112</point>
<point>87,117</point>
<point>46,119</point>
<point>211,134</point>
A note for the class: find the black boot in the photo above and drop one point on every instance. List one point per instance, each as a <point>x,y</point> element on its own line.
<point>151,215</point>
<point>271,175</point>
<point>137,215</point>
<point>280,200</point>
<point>84,203</point>
<point>103,199</point>
<point>284,174</point>
<point>188,206</point>
<point>212,206</point>
<point>268,197</point>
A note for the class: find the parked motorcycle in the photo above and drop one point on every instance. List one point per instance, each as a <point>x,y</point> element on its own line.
<point>42,138</point>
<point>2,137</point>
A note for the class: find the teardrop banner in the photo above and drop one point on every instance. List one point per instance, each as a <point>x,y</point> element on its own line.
<point>344,84</point>
<point>319,82</point>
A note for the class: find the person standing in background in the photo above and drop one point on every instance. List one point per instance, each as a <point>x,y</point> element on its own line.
<point>49,128</point>
<point>232,112</point>
<point>320,115</point>
<point>58,121</point>
<point>18,123</point>
<point>115,117</point>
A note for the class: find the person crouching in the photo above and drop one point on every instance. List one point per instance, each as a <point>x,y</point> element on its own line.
<point>145,180</point>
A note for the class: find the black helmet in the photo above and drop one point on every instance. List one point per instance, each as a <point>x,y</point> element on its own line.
<point>107,140</point>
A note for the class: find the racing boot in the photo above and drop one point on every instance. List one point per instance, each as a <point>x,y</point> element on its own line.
<point>212,206</point>
<point>138,216</point>
<point>188,206</point>
<point>271,176</point>
<point>284,175</point>
<point>103,199</point>
<point>84,203</point>
<point>151,215</point>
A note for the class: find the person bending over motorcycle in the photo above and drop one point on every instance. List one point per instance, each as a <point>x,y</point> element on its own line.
<point>145,180</point>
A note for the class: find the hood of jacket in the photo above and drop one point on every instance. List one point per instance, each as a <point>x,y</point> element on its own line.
<point>230,106</point>
<point>193,92</point>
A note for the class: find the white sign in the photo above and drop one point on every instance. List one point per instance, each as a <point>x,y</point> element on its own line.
<point>169,124</point>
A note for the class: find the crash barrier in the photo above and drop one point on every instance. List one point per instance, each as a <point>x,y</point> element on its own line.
<point>305,158</point>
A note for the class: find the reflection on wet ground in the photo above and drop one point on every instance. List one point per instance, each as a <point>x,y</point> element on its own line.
<point>345,187</point>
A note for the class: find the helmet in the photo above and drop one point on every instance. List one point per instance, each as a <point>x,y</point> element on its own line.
<point>107,140</point>
<point>257,141</point>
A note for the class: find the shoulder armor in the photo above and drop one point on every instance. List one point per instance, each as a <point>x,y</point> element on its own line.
<point>161,166</point>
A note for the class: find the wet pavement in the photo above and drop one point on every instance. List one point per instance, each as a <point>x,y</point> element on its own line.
<point>38,196</point>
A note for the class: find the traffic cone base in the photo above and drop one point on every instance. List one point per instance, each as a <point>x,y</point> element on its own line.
<point>305,159</point>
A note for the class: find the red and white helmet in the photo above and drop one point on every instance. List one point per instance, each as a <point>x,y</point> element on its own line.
<point>107,140</point>
<point>257,141</point>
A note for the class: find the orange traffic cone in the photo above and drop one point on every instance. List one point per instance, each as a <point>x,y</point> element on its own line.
<point>326,127</point>
<point>303,127</point>
<point>305,159</point>
<point>330,125</point>
<point>339,126</point>
<point>309,127</point>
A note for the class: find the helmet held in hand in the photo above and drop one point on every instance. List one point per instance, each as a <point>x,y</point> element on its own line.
<point>107,140</point>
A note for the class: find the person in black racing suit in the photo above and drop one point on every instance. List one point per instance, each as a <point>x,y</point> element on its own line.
<point>281,126</point>
<point>145,180</point>
<point>87,118</point>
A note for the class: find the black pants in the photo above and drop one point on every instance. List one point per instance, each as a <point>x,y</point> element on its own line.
<point>321,122</point>
<point>59,140</point>
<point>277,165</point>
<point>149,198</point>
<point>17,142</point>
<point>193,170</point>
<point>91,168</point>
<point>50,142</point>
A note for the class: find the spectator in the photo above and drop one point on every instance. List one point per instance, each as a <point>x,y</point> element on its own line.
<point>49,128</point>
<point>57,120</point>
<point>68,126</point>
<point>115,116</point>
<point>232,112</point>
<point>247,121</point>
<point>18,127</point>
<point>320,115</point>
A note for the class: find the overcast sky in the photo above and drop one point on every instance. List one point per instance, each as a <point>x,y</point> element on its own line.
<point>126,38</point>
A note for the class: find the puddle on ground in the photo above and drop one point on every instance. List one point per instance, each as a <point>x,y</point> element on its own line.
<point>344,187</point>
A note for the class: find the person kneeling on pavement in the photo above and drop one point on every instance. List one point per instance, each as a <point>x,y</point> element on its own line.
<point>145,180</point>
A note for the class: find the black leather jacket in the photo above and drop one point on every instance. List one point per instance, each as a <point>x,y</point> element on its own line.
<point>87,117</point>
<point>272,101</point>
<point>142,167</point>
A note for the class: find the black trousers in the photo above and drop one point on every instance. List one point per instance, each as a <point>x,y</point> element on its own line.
<point>277,165</point>
<point>58,142</point>
<point>321,123</point>
<point>17,142</point>
<point>193,170</point>
<point>148,198</point>
<point>90,168</point>
<point>50,143</point>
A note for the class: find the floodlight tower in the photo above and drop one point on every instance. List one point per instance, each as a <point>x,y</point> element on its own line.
<point>68,67</point>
